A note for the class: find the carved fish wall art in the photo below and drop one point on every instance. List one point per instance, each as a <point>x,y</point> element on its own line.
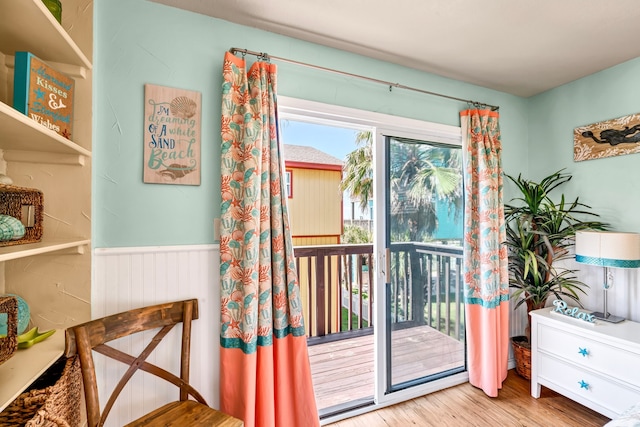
<point>608,138</point>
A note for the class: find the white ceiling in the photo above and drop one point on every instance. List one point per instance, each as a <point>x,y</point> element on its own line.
<point>522,47</point>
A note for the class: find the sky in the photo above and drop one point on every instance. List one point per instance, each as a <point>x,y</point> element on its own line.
<point>332,140</point>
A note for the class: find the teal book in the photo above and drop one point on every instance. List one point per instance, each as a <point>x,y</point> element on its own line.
<point>43,93</point>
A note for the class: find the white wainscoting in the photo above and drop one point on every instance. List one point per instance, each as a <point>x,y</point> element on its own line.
<point>518,319</point>
<point>126,278</point>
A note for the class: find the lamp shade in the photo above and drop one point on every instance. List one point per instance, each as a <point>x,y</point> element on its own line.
<point>608,249</point>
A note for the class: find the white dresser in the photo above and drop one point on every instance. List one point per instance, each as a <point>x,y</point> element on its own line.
<point>597,365</point>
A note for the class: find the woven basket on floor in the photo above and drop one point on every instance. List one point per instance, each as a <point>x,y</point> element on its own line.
<point>53,400</point>
<point>9,344</point>
<point>522,356</point>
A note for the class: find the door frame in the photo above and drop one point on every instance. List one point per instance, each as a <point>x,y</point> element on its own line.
<point>382,125</point>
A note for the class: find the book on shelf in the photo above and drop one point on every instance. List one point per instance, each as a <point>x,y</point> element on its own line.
<point>43,93</point>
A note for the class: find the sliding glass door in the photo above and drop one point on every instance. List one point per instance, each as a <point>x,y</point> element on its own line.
<point>383,308</point>
<point>423,305</point>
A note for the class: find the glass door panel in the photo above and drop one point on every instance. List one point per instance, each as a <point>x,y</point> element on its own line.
<point>424,301</point>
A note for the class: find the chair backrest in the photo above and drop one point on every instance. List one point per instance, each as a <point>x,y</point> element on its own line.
<point>93,335</point>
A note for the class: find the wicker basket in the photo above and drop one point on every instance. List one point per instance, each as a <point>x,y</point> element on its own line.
<point>53,400</point>
<point>522,356</point>
<point>9,344</point>
<point>16,202</point>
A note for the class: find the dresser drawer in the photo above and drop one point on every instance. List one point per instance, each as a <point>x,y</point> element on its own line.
<point>598,356</point>
<point>582,383</point>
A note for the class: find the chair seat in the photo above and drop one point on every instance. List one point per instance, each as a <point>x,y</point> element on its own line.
<point>183,413</point>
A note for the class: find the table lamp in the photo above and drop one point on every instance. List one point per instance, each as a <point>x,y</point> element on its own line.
<point>609,250</point>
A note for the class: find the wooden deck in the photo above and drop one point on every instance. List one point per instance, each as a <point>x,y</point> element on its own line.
<point>343,370</point>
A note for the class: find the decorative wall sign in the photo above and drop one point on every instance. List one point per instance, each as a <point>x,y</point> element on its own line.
<point>171,135</point>
<point>609,138</point>
<point>43,93</point>
<point>562,308</point>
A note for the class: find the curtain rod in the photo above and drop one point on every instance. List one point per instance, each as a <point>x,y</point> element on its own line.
<point>266,57</point>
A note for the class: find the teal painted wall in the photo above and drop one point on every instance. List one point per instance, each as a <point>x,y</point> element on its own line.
<point>138,42</point>
<point>610,186</point>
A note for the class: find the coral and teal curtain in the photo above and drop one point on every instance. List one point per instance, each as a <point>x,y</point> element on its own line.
<point>265,378</point>
<point>485,256</point>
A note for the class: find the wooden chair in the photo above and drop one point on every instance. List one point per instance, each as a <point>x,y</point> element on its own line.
<point>94,335</point>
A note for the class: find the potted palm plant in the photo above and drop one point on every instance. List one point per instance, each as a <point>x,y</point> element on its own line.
<point>540,233</point>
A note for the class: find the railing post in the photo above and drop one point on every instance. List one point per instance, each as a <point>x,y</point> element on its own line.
<point>320,296</point>
<point>340,289</point>
<point>459,313</point>
<point>438,290</point>
<point>307,292</point>
<point>447,298</point>
<point>360,312</point>
<point>429,262</point>
<point>370,289</point>
<point>350,291</point>
<point>408,287</point>
<point>417,288</point>
<point>329,291</point>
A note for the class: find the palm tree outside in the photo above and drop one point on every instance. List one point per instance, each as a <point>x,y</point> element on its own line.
<point>358,169</point>
<point>422,176</point>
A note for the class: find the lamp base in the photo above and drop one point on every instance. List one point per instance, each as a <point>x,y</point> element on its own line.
<point>607,317</point>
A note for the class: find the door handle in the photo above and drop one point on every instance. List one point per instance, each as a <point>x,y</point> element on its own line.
<point>387,266</point>
<point>384,261</point>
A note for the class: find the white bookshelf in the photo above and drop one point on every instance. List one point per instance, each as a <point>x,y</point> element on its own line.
<point>54,275</point>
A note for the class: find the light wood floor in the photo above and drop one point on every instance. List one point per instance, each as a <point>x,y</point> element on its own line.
<point>465,405</point>
<point>342,371</point>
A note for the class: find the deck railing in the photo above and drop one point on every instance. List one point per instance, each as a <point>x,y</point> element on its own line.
<point>426,287</point>
<point>336,286</point>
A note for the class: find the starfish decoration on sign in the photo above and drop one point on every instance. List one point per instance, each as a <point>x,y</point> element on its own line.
<point>583,385</point>
<point>66,134</point>
<point>39,93</point>
<point>583,351</point>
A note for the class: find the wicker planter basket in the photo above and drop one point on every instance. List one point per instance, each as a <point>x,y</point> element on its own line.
<point>9,344</point>
<point>522,355</point>
<point>53,400</point>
